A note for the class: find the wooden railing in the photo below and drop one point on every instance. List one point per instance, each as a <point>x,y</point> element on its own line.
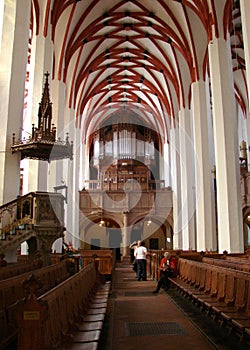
<point>133,201</point>
<point>125,181</point>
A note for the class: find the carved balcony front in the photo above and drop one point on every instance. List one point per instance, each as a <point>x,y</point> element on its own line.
<point>37,214</point>
<point>132,200</point>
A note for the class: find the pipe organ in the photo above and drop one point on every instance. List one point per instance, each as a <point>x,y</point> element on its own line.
<point>124,142</point>
<point>121,153</point>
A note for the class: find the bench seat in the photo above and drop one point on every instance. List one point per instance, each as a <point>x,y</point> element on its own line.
<point>89,326</point>
<point>224,293</point>
<point>96,311</point>
<point>87,336</point>
<point>94,318</point>
<point>81,346</point>
<point>99,305</point>
<point>87,331</point>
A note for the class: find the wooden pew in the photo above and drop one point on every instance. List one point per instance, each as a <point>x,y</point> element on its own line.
<point>229,262</point>
<point>104,257</point>
<point>223,293</point>
<point>241,320</point>
<point>241,282</point>
<point>11,292</point>
<point>70,307</point>
<point>18,269</point>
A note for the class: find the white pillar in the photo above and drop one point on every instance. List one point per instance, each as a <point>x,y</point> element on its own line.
<point>248,138</point>
<point>206,233</point>
<point>56,174</point>
<point>167,177</point>
<point>41,62</point>
<point>125,235</point>
<point>176,186</point>
<point>13,60</point>
<point>230,225</point>
<point>245,20</point>
<point>74,190</point>
<point>187,179</point>
<point>85,163</point>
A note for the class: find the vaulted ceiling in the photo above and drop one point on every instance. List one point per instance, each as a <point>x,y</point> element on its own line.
<point>139,57</point>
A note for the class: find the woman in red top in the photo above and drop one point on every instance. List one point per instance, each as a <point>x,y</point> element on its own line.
<point>167,269</point>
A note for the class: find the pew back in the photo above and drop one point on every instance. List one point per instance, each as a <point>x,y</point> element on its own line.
<point>11,292</point>
<point>65,303</point>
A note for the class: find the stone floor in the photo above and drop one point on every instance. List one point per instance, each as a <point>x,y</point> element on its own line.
<point>137,319</point>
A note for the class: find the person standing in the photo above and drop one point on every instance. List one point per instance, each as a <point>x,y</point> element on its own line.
<point>132,247</point>
<point>140,256</point>
<point>132,256</point>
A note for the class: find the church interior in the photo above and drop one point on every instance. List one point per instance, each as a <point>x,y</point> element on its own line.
<point>123,121</point>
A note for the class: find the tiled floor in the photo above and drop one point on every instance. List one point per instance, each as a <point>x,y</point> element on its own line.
<point>139,320</point>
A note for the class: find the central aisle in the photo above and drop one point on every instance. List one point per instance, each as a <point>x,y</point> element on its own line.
<point>139,320</point>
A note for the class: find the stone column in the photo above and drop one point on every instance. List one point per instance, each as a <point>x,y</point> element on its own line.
<point>56,173</point>
<point>176,186</point>
<point>206,234</point>
<point>125,235</point>
<point>13,60</point>
<point>230,225</point>
<point>84,164</point>
<point>248,138</point>
<point>73,181</point>
<point>187,180</point>
<point>41,62</point>
<point>167,173</point>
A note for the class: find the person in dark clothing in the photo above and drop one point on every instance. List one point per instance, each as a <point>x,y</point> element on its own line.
<point>132,251</point>
<point>167,269</point>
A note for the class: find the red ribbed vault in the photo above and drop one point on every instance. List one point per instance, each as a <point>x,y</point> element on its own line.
<point>137,55</point>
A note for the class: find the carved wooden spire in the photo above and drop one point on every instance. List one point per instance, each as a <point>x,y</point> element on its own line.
<point>42,144</point>
<point>45,109</point>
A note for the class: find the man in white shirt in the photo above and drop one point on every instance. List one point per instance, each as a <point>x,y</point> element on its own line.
<point>140,255</point>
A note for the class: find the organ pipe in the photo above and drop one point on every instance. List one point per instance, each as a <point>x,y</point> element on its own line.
<point>123,144</point>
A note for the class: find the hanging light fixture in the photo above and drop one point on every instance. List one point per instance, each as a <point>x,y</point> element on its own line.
<point>42,143</point>
<point>149,222</point>
<point>102,222</point>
